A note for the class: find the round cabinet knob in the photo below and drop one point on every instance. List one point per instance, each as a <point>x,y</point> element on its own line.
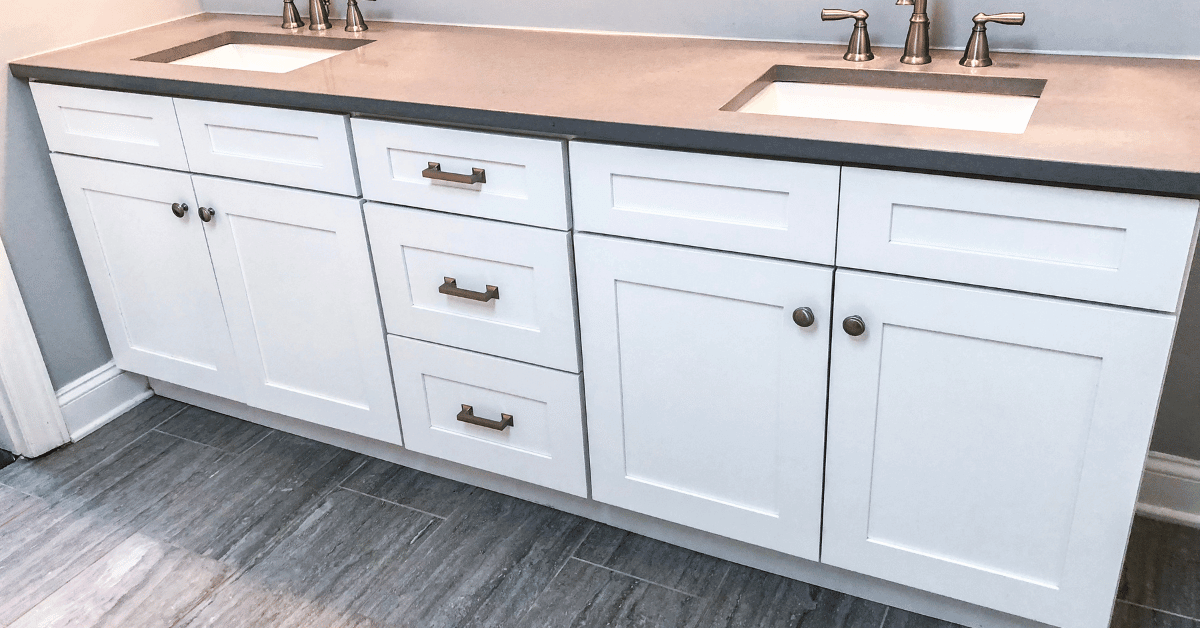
<point>179,209</point>
<point>207,213</point>
<point>854,325</point>
<point>804,317</point>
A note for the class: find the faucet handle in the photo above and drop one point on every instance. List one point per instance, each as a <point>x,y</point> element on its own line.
<point>977,54</point>
<point>1013,19</point>
<point>859,48</point>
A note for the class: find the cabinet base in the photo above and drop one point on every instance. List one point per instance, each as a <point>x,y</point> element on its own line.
<point>818,574</point>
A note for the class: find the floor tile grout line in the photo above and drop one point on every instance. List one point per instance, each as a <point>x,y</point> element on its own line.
<point>195,442</point>
<point>588,562</point>
<point>173,414</point>
<point>887,611</point>
<point>549,581</point>
<point>394,503</point>
<point>1159,610</point>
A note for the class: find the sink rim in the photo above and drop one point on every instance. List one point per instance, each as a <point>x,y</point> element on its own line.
<point>891,79</point>
<point>213,42</point>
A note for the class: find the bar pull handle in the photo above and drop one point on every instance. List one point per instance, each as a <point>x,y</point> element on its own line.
<point>434,171</point>
<point>467,415</point>
<point>450,286</point>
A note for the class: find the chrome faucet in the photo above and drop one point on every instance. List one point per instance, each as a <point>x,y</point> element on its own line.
<point>916,47</point>
<point>318,15</point>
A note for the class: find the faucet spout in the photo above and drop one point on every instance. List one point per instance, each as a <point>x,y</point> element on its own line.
<point>916,47</point>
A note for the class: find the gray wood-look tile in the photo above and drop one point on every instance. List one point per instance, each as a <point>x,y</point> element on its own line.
<point>749,598</point>
<point>410,487</point>
<point>97,512</point>
<point>14,503</point>
<point>583,594</point>
<point>45,475</point>
<point>234,515</point>
<point>661,563</point>
<point>1129,616</point>
<point>141,582</point>
<point>482,567</point>
<point>215,430</point>
<point>897,618</point>
<point>333,561</point>
<point>1162,567</point>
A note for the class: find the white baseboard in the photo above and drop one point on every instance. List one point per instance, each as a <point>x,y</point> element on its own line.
<point>1171,489</point>
<point>99,397</point>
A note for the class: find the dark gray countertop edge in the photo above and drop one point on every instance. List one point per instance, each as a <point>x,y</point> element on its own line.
<point>1172,183</point>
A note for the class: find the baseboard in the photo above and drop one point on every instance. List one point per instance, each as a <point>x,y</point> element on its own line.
<point>99,397</point>
<point>1171,489</point>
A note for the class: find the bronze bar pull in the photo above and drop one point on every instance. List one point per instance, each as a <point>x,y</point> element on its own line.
<point>467,415</point>
<point>434,171</point>
<point>450,287</point>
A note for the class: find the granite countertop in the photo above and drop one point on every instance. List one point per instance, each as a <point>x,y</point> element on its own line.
<point>1116,123</point>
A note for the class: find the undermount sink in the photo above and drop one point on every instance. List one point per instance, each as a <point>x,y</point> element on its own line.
<point>944,101</point>
<point>256,52</point>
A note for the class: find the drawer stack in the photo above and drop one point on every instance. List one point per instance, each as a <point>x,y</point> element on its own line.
<point>480,313</point>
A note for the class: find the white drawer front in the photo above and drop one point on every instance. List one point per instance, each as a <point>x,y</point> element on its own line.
<point>133,128</point>
<point>295,148</point>
<point>1124,249</point>
<point>544,444</point>
<point>524,178</point>
<point>773,208</point>
<point>533,317</point>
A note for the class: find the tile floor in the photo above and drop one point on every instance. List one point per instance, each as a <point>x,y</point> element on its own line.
<point>176,516</point>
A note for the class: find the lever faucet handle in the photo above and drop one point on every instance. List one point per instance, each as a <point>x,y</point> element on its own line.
<point>828,15</point>
<point>1012,19</point>
<point>977,54</point>
<point>859,48</point>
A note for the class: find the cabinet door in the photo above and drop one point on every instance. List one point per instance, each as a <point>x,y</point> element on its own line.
<point>295,273</point>
<point>988,446</point>
<point>705,400</point>
<point>150,272</point>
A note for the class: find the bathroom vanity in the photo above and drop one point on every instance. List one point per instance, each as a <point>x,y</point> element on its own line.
<point>919,365</point>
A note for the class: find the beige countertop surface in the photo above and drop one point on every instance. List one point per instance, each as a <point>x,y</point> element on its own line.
<point>1116,123</point>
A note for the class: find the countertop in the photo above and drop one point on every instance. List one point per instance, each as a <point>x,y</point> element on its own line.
<point>1114,123</point>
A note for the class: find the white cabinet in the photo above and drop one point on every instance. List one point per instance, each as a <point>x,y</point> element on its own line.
<point>477,284</point>
<point>705,399</point>
<point>150,272</point>
<point>295,276</point>
<point>515,419</point>
<point>988,446</point>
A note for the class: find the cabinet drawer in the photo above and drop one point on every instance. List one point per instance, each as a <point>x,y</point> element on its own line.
<point>524,179</point>
<point>299,149</point>
<point>133,128</point>
<point>544,443</point>
<point>1124,249</point>
<point>530,316</point>
<point>773,208</point>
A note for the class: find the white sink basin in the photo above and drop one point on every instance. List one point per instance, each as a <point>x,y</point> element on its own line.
<point>258,57</point>
<point>256,52</point>
<point>966,103</point>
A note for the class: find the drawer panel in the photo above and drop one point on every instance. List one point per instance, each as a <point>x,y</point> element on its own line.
<point>544,444</point>
<point>532,319</point>
<point>133,128</point>
<point>524,178</point>
<point>773,208</point>
<point>295,148</point>
<point>1124,249</point>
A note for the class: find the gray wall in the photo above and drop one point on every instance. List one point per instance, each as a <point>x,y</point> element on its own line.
<point>33,221</point>
<point>1102,26</point>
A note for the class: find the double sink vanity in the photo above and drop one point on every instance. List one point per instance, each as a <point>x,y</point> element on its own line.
<point>664,283</point>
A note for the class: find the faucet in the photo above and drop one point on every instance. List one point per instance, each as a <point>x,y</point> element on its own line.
<point>916,47</point>
<point>318,15</point>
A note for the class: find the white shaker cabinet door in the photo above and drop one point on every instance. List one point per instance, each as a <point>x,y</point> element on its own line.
<point>705,400</point>
<point>150,272</point>
<point>987,446</point>
<point>296,277</point>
